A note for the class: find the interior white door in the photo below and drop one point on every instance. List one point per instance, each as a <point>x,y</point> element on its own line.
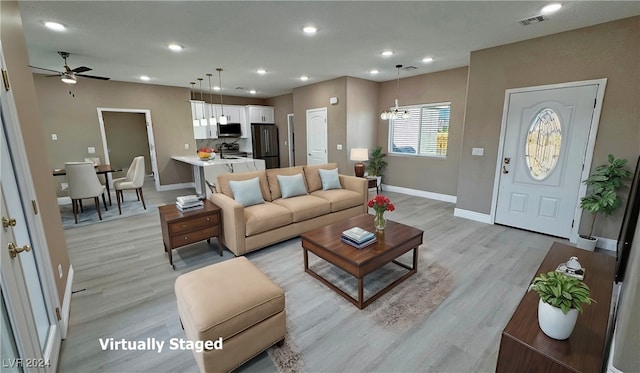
<point>546,137</point>
<point>317,136</point>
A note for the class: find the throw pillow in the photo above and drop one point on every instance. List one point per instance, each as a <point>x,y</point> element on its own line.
<point>330,179</point>
<point>247,192</point>
<point>291,186</point>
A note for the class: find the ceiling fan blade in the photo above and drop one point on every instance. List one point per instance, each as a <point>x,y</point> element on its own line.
<point>42,68</point>
<point>81,69</point>
<point>93,77</point>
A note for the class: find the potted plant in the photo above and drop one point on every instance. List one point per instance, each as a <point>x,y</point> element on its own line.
<point>561,299</point>
<point>377,164</point>
<point>601,196</point>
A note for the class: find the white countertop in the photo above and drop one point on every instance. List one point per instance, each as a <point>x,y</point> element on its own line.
<point>196,161</point>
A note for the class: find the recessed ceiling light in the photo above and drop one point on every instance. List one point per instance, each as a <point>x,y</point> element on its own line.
<point>310,30</point>
<point>304,78</point>
<point>175,47</point>
<point>427,59</point>
<point>387,53</point>
<point>551,8</point>
<point>253,91</point>
<point>374,71</point>
<point>261,71</point>
<point>145,78</point>
<point>216,88</point>
<point>55,26</point>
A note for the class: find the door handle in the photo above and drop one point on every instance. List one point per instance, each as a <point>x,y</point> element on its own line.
<point>504,170</point>
<point>15,250</point>
<point>8,222</point>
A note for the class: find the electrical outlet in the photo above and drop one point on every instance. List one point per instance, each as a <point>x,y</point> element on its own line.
<point>60,270</point>
<point>91,150</point>
<point>477,151</point>
<point>54,137</point>
<point>186,146</point>
<point>339,147</point>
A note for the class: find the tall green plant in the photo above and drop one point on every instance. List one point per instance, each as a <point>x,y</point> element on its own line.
<point>601,196</point>
<point>376,162</point>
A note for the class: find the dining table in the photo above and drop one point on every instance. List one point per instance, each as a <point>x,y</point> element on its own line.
<point>101,169</point>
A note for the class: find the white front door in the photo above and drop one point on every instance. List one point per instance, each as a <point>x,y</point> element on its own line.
<point>546,137</point>
<point>317,136</point>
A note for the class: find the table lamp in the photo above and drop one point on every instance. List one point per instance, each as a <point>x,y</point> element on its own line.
<point>359,155</point>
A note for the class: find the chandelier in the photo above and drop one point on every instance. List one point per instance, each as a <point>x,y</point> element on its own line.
<point>396,113</point>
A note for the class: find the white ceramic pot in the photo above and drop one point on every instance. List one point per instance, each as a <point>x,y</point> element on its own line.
<point>554,322</point>
<point>586,243</point>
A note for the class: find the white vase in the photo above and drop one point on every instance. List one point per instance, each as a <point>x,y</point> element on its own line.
<point>554,322</point>
<point>586,243</point>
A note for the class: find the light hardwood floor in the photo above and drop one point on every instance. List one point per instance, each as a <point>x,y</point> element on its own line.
<point>123,288</point>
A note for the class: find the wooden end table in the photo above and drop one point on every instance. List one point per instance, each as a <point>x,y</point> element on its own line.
<point>184,228</point>
<point>396,240</point>
<point>373,183</point>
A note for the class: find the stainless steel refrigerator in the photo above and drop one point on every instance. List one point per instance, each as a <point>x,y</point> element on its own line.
<point>265,144</point>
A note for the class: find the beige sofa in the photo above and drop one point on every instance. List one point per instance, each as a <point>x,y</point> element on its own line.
<point>250,228</point>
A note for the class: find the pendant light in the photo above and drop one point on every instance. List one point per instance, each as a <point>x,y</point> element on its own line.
<point>196,121</point>
<point>223,119</point>
<point>212,116</point>
<point>396,113</point>
<point>203,121</point>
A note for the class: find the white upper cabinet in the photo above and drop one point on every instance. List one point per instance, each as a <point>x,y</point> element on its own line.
<point>199,120</point>
<point>260,114</point>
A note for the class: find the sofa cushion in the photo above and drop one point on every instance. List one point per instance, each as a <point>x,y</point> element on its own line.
<point>330,179</point>
<point>272,178</point>
<point>264,217</point>
<point>313,176</point>
<point>291,186</point>
<point>224,188</point>
<point>340,199</point>
<point>247,192</point>
<point>305,207</point>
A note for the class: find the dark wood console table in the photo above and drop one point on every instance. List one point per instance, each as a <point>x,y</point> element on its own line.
<point>525,348</point>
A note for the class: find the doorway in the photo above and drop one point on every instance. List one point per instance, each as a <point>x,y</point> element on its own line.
<point>317,136</point>
<point>292,147</point>
<point>548,135</point>
<point>121,121</point>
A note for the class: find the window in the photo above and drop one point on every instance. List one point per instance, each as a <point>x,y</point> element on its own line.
<point>543,144</point>
<point>425,133</point>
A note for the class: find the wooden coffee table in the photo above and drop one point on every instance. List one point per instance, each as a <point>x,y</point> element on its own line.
<point>396,240</point>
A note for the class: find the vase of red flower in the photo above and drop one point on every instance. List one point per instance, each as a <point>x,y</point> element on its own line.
<point>380,204</point>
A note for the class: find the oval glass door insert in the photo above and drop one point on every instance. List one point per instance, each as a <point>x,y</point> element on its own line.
<point>543,144</point>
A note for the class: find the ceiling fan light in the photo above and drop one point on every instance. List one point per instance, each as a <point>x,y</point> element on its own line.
<point>69,79</point>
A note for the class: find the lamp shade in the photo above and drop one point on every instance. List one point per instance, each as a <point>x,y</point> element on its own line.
<point>359,154</point>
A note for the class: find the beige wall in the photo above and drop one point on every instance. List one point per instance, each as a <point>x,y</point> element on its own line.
<point>435,175</point>
<point>316,96</point>
<point>362,117</point>
<point>283,105</point>
<point>17,61</point>
<point>610,50</point>
<point>126,138</point>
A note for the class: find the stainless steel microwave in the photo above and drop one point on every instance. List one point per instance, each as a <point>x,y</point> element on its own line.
<point>229,130</point>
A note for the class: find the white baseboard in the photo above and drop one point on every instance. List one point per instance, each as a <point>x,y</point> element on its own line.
<point>607,244</point>
<point>164,188</point>
<point>420,193</point>
<point>472,215</point>
<point>66,303</point>
<point>64,201</point>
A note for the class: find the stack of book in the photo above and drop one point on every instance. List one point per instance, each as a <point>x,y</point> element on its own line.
<point>358,237</point>
<point>189,203</point>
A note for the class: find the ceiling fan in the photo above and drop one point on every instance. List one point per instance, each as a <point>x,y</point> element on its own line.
<point>69,76</point>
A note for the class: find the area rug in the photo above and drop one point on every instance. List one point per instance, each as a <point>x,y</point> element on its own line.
<point>325,330</point>
<point>90,215</point>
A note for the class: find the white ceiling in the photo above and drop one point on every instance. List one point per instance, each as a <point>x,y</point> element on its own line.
<point>123,40</point>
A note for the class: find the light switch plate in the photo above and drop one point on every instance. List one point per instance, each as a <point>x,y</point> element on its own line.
<point>477,151</point>
<point>339,147</point>
<point>54,136</point>
<point>186,146</point>
<point>91,150</point>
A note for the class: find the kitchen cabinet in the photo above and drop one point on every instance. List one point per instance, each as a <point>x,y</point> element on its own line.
<point>204,126</point>
<point>234,114</point>
<point>260,114</point>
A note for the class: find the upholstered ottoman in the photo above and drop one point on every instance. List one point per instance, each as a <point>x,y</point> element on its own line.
<point>233,300</point>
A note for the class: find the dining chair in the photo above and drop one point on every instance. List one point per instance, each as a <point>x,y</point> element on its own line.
<point>84,183</point>
<point>133,180</point>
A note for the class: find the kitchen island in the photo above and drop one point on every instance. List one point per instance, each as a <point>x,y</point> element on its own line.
<point>208,171</point>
